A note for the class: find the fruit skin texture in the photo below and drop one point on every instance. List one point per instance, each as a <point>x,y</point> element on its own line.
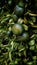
<point>24,37</point>
<point>17,29</point>
<point>9,33</point>
<point>18,10</point>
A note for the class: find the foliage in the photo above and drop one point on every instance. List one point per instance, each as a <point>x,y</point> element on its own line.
<point>18,32</point>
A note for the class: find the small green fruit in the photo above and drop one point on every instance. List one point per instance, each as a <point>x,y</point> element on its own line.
<point>17,29</point>
<point>18,10</point>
